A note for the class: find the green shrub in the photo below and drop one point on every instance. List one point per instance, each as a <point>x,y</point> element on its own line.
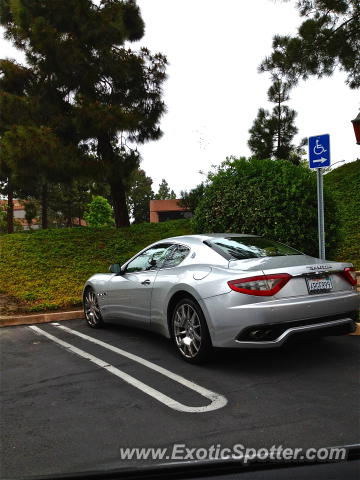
<point>275,199</point>
<point>344,185</point>
<point>99,213</point>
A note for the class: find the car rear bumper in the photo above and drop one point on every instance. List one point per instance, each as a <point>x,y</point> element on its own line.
<point>326,314</point>
<point>326,327</point>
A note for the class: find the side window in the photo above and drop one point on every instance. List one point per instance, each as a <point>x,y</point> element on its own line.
<point>151,259</point>
<point>176,254</point>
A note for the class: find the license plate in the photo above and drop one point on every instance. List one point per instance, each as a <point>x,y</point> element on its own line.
<point>318,285</point>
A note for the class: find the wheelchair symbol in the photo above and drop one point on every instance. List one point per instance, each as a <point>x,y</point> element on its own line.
<point>319,149</point>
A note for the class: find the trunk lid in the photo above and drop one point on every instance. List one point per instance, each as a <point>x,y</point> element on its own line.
<point>310,276</point>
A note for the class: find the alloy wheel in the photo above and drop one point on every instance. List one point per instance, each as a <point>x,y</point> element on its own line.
<point>187,330</point>
<point>92,310</point>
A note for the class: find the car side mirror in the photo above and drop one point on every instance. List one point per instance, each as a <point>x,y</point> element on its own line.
<point>115,268</point>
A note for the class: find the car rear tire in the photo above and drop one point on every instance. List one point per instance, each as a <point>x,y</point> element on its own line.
<point>92,310</point>
<point>190,332</point>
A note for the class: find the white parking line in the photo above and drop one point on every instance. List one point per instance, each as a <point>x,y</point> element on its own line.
<point>217,400</point>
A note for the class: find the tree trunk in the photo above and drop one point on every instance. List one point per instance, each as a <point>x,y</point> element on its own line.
<point>118,197</point>
<point>10,207</point>
<point>117,188</point>
<point>44,206</point>
<point>68,217</point>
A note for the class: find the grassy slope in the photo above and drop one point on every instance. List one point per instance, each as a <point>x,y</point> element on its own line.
<point>46,269</point>
<point>344,184</point>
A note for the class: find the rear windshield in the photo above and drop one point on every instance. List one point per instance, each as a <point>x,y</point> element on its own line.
<point>240,248</point>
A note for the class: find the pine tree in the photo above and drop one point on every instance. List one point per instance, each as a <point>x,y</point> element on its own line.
<point>77,49</point>
<point>67,202</point>
<point>139,195</point>
<point>261,135</point>
<point>272,133</point>
<point>282,120</point>
<point>191,199</point>
<point>30,212</point>
<point>38,144</point>
<point>164,192</point>
<point>13,81</point>
<point>328,38</point>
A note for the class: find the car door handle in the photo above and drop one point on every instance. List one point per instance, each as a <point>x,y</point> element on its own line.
<point>146,282</point>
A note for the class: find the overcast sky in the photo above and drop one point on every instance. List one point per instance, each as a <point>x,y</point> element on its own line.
<point>213,90</point>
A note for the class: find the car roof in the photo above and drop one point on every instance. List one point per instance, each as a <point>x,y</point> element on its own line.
<point>205,236</point>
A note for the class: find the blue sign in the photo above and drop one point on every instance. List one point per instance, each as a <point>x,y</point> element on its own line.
<point>319,151</point>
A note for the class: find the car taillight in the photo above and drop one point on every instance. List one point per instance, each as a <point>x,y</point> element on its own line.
<point>263,285</point>
<point>350,275</point>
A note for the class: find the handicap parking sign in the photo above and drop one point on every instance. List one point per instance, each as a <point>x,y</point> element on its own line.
<point>319,151</point>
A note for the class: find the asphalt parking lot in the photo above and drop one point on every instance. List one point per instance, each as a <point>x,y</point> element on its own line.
<point>69,404</point>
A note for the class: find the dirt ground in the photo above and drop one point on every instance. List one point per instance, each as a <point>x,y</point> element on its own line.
<point>10,305</point>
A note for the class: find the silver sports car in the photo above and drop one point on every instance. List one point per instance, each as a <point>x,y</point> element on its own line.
<point>225,290</point>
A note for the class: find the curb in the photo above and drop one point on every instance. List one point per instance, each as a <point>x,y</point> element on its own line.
<point>40,318</point>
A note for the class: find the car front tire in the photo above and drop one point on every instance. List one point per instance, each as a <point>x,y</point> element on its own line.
<point>92,310</point>
<point>190,332</point>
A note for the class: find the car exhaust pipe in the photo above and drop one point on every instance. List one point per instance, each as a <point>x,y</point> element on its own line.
<point>260,334</point>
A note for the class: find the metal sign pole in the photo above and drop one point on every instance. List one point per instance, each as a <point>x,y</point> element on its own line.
<point>319,157</point>
<point>320,199</point>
